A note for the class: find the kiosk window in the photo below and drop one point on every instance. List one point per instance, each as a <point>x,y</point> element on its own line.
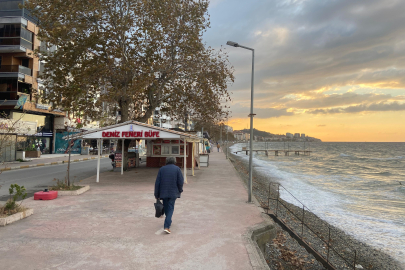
<point>175,150</point>
<point>165,149</point>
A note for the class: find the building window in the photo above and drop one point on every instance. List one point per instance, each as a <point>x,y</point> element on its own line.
<point>16,34</point>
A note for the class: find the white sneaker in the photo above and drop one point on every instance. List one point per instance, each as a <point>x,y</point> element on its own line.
<point>167,231</point>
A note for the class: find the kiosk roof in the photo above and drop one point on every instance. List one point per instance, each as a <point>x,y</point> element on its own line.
<point>133,130</point>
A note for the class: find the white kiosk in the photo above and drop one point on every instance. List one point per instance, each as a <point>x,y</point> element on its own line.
<point>161,143</point>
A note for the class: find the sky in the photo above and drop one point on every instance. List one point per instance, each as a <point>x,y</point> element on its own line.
<point>334,70</point>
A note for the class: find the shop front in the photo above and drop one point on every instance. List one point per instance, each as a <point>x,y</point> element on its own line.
<point>41,141</point>
<point>160,143</point>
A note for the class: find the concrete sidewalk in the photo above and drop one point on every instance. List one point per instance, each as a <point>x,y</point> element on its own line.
<point>112,226</point>
<point>46,160</point>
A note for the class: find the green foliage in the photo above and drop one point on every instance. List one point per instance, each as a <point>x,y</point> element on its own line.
<point>129,55</point>
<point>10,205</point>
<point>31,147</point>
<point>16,193</point>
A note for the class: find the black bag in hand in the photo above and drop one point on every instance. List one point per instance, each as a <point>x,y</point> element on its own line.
<point>160,211</point>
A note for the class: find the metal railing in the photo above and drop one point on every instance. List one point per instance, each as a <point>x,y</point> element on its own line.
<point>328,244</point>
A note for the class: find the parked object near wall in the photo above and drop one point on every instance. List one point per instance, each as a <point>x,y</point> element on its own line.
<point>33,154</point>
<point>85,150</point>
<point>20,155</point>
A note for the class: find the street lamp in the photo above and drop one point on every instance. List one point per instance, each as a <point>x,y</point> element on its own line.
<point>251,115</point>
<point>227,127</point>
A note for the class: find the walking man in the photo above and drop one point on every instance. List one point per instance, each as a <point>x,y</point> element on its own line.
<point>168,187</point>
<point>218,146</point>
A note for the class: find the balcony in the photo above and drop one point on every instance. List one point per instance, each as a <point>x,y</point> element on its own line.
<point>8,95</point>
<point>14,45</point>
<point>15,69</point>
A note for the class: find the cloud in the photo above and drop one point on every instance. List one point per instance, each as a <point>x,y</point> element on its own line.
<point>374,107</point>
<point>326,101</point>
<point>303,46</point>
<point>321,125</point>
<point>238,111</point>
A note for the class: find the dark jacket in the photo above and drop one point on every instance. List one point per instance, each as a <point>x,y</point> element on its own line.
<point>169,182</point>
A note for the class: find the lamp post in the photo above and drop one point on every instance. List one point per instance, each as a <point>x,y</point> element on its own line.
<point>227,127</point>
<point>220,133</point>
<point>251,115</point>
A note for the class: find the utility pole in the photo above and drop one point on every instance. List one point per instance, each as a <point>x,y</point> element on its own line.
<point>220,132</point>
<point>227,130</point>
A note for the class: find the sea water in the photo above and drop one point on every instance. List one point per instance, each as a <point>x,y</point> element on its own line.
<point>357,187</point>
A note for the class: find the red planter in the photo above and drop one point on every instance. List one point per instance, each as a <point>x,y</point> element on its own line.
<point>49,195</point>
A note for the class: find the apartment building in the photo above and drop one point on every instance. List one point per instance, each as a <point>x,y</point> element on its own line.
<point>19,70</point>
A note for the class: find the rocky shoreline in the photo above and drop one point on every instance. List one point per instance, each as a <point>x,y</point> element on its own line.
<point>284,252</point>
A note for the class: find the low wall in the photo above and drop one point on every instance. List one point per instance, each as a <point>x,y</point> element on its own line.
<point>257,237</point>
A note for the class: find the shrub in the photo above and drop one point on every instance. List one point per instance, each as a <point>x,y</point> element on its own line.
<point>16,193</point>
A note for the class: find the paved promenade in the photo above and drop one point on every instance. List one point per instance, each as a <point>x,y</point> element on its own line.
<point>112,226</point>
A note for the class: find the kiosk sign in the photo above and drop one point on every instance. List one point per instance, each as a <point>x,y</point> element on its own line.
<point>130,134</point>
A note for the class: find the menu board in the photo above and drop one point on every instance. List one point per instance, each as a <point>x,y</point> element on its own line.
<point>157,149</point>
<point>132,162</point>
<point>118,159</point>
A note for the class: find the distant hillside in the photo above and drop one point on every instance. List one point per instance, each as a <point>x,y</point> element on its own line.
<point>281,137</point>
<point>260,133</point>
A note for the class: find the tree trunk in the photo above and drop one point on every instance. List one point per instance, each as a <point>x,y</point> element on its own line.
<point>124,110</point>
<point>124,107</point>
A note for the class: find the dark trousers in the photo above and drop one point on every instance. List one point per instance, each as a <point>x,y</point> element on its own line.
<point>168,205</point>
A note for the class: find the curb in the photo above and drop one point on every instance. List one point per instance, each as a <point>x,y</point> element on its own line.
<point>49,163</point>
<point>18,216</point>
<point>257,235</point>
<point>74,192</point>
